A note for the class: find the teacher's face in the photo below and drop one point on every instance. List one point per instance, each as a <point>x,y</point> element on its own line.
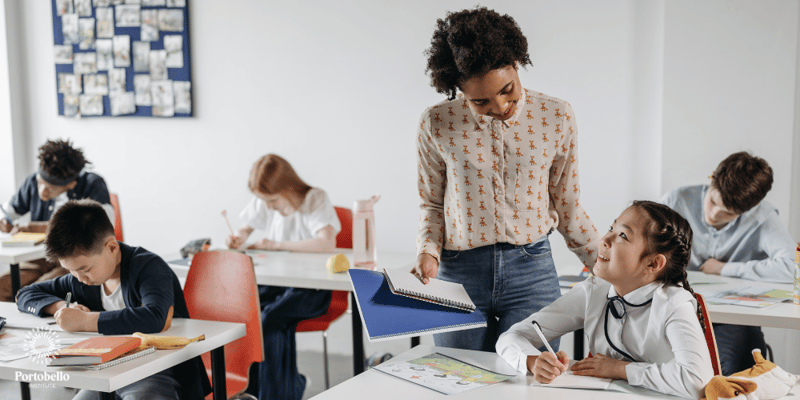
<point>495,94</point>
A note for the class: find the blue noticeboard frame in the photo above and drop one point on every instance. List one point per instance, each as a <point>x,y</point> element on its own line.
<point>173,74</point>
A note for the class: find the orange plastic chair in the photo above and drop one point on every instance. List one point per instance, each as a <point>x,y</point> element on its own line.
<point>338,306</point>
<point>221,286</point>
<point>117,217</point>
<point>708,331</point>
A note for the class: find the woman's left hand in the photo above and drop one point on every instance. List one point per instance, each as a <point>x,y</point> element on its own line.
<point>601,366</point>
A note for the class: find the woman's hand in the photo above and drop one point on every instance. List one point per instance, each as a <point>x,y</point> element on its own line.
<point>602,367</point>
<point>426,267</point>
<point>548,366</point>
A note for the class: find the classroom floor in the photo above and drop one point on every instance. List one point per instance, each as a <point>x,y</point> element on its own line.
<point>310,364</point>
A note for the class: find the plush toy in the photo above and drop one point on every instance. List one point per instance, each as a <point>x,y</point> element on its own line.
<point>765,381</point>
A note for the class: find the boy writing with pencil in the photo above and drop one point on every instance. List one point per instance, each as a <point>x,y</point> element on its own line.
<point>61,177</point>
<point>118,290</point>
<point>736,233</point>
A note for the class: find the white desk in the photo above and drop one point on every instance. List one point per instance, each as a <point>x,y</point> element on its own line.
<point>307,270</point>
<point>110,379</point>
<point>16,255</point>
<point>782,315</point>
<point>373,384</point>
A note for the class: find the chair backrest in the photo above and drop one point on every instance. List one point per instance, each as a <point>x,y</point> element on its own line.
<point>221,286</point>
<point>708,331</point>
<point>117,217</point>
<point>344,239</point>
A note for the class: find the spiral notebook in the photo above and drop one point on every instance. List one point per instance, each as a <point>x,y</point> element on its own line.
<point>440,292</point>
<point>119,360</point>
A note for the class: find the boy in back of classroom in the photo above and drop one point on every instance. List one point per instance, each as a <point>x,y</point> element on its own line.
<point>738,234</point>
<point>118,290</point>
<point>61,177</point>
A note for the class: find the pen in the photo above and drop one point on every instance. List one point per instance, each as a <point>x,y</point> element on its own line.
<point>225,215</point>
<point>69,299</point>
<point>541,335</point>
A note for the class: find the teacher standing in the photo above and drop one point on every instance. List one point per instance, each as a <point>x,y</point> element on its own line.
<point>498,171</point>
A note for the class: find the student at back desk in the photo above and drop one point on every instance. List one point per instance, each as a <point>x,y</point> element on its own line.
<point>295,217</point>
<point>61,177</point>
<point>119,290</point>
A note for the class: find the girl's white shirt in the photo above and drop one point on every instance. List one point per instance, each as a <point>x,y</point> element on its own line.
<point>664,337</point>
<point>315,213</point>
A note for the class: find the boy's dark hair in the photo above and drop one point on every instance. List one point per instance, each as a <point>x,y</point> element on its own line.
<point>670,234</point>
<point>79,227</point>
<point>60,160</point>
<point>471,43</point>
<point>743,180</point>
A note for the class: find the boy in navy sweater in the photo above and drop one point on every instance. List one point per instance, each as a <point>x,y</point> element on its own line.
<point>118,289</point>
<point>61,177</point>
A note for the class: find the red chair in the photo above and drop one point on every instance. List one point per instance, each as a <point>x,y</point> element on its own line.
<point>338,306</point>
<point>117,217</point>
<point>708,331</point>
<point>221,286</point>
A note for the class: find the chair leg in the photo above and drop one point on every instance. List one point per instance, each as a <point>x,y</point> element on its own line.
<point>325,354</point>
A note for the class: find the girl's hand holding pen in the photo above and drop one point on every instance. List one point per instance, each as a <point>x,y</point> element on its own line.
<point>234,242</point>
<point>548,366</point>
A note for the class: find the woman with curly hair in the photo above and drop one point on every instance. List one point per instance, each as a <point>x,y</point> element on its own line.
<point>498,172</point>
<point>60,178</point>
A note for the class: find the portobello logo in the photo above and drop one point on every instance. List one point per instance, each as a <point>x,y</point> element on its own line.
<point>41,343</point>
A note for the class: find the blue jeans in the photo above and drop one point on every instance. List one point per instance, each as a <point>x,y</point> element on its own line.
<point>735,344</point>
<point>161,386</point>
<point>282,308</point>
<point>506,282</point>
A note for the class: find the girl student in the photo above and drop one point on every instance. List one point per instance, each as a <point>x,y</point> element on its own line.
<point>497,173</point>
<point>638,311</point>
<point>295,217</point>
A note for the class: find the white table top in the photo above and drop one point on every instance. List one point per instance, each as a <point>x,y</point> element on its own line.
<point>106,380</point>
<point>306,270</point>
<point>365,386</point>
<point>16,255</point>
<point>782,315</point>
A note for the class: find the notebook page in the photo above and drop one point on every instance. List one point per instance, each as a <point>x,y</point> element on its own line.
<point>569,380</point>
<point>442,291</point>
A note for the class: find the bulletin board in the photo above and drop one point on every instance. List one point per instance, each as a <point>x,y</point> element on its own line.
<point>121,58</point>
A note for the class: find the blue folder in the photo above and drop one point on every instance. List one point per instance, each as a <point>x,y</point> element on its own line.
<point>390,316</point>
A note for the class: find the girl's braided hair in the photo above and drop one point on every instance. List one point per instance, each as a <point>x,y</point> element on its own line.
<point>668,233</point>
<point>471,43</point>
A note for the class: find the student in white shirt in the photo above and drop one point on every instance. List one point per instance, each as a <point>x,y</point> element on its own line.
<point>638,311</point>
<point>294,217</point>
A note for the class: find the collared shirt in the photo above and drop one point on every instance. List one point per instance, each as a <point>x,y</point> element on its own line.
<point>315,213</point>
<point>484,181</point>
<point>664,336</point>
<point>753,246</point>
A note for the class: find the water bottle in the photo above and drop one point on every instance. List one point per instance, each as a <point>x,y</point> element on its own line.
<point>364,249</point>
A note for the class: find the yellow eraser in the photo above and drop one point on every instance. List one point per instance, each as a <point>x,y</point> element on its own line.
<point>338,263</point>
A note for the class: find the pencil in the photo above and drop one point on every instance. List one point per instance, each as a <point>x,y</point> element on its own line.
<point>68,299</point>
<point>225,215</point>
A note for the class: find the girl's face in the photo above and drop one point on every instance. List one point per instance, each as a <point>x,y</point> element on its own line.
<point>277,202</point>
<point>619,259</point>
<point>495,94</point>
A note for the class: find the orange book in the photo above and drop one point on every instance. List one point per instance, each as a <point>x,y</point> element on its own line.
<point>96,350</point>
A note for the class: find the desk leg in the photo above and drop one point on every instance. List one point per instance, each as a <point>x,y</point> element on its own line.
<point>25,390</point>
<point>218,373</point>
<point>15,283</point>
<point>414,341</point>
<point>358,339</point>
<point>106,396</point>
<point>577,346</point>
